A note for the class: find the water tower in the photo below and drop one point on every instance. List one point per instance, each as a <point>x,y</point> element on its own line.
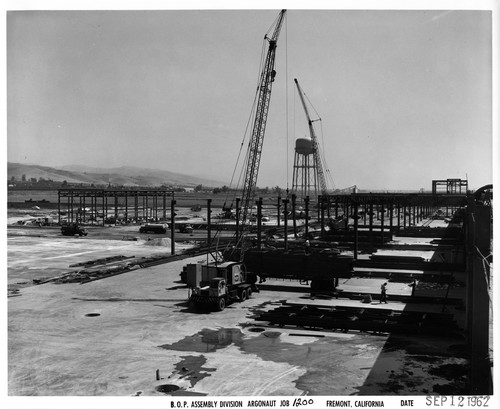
<point>308,175</point>
<point>305,173</point>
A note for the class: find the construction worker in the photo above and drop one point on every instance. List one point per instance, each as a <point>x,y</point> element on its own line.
<point>413,285</point>
<point>383,293</point>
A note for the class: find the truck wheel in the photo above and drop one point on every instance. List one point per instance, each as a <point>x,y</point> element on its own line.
<point>243,295</point>
<point>221,304</point>
<point>249,292</point>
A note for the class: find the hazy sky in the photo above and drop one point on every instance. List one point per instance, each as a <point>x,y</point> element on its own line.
<point>404,96</point>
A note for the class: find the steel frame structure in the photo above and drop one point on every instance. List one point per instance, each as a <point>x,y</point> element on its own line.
<point>453,186</point>
<point>408,209</point>
<point>135,205</point>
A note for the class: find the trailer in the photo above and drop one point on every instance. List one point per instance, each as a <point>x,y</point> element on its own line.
<point>158,228</point>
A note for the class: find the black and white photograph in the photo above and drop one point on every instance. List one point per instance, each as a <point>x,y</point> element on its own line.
<point>255,205</point>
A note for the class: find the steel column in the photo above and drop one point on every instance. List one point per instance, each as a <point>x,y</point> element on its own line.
<point>382,219</point>
<point>391,216</point>
<point>209,222</point>
<point>355,231</point>
<point>306,205</point>
<point>371,226</point>
<point>294,216</point>
<point>237,219</point>
<point>285,203</point>
<point>279,211</point>
<point>259,223</point>
<point>172,227</point>
<point>59,208</point>
<point>347,216</point>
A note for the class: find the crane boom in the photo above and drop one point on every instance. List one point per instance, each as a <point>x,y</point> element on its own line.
<point>316,155</point>
<point>255,145</point>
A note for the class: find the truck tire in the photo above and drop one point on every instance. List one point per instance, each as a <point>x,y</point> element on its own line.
<point>243,295</point>
<point>221,304</point>
<point>249,292</point>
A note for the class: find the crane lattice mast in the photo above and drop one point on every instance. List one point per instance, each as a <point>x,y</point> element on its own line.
<point>255,144</point>
<point>316,154</point>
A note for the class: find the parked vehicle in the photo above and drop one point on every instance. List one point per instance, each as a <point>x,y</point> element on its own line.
<point>73,229</point>
<point>157,228</point>
<point>185,228</point>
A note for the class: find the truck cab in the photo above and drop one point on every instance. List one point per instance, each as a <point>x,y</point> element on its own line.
<point>217,287</point>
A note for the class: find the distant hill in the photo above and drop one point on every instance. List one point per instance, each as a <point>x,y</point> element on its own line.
<point>125,175</point>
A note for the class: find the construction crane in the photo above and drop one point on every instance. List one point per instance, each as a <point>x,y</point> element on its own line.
<point>316,154</point>
<point>266,80</point>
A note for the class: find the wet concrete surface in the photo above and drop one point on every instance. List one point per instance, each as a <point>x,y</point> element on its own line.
<point>48,255</point>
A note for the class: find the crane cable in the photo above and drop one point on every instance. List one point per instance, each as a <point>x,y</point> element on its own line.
<point>233,194</point>
<point>322,152</point>
<point>286,105</point>
<point>250,117</point>
<point>252,114</point>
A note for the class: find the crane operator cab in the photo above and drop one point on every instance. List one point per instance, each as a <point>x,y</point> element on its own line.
<point>217,287</point>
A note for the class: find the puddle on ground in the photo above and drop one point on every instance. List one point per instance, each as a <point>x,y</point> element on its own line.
<point>451,371</point>
<point>174,390</point>
<point>399,372</point>
<point>271,345</point>
<point>256,329</point>
<point>167,389</point>
<point>394,365</point>
<point>207,340</point>
<point>191,368</point>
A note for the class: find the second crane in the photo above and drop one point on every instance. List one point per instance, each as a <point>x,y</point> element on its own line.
<point>307,176</point>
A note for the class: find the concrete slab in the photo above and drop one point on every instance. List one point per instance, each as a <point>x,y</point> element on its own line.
<point>32,257</point>
<point>110,337</point>
<point>56,348</point>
